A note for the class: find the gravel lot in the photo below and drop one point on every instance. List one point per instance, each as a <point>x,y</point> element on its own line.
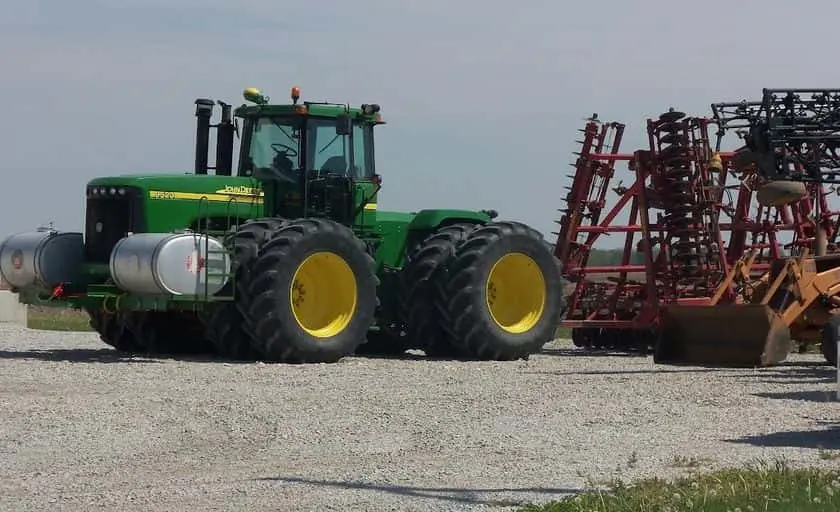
<point>83,429</point>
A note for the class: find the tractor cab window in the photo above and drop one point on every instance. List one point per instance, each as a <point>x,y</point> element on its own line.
<point>275,145</point>
<point>343,154</point>
<point>330,152</point>
<point>363,150</point>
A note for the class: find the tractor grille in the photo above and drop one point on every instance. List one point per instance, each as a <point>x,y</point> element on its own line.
<point>111,213</point>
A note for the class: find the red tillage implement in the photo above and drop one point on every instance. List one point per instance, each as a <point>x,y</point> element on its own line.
<point>692,212</point>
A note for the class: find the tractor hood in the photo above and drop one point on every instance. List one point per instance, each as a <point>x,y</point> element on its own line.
<point>184,186</point>
<point>167,202</point>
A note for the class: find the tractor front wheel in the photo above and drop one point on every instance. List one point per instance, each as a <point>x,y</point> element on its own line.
<point>312,293</point>
<point>169,332</point>
<point>503,294</point>
<point>113,330</point>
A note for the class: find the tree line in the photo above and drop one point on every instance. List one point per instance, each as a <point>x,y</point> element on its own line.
<point>613,257</point>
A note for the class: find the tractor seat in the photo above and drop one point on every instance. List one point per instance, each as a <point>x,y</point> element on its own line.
<point>335,164</point>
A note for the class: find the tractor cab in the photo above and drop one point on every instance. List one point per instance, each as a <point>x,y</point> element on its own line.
<point>312,159</point>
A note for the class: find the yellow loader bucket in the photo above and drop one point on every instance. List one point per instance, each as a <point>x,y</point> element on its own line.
<point>730,335</point>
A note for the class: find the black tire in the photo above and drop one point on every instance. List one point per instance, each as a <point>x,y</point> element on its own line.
<point>113,330</point>
<point>381,343</point>
<point>426,265</point>
<point>169,333</point>
<point>462,300</point>
<point>225,325</point>
<point>831,334</point>
<point>276,331</point>
<point>584,337</point>
<point>388,339</point>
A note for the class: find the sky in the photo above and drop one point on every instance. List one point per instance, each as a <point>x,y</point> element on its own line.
<point>483,99</point>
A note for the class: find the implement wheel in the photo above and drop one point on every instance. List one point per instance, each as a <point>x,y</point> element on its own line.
<point>503,294</point>
<point>312,293</point>
<point>224,324</point>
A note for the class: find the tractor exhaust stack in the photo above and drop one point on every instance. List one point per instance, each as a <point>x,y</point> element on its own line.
<point>224,142</point>
<point>203,113</point>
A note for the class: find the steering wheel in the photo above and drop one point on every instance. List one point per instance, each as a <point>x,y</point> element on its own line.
<point>282,148</point>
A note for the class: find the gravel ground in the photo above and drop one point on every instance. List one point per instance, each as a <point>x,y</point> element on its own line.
<point>84,429</point>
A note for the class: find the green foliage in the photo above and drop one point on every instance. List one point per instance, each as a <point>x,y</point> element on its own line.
<point>758,487</point>
<point>599,257</point>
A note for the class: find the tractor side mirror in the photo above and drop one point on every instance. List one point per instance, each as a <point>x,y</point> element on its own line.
<point>343,124</point>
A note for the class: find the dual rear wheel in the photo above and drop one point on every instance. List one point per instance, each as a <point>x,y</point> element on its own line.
<point>489,292</point>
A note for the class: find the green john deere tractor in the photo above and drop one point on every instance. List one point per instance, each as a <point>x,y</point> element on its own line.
<point>290,260</point>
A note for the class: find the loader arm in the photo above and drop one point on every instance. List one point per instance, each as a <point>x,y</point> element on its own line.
<point>738,277</point>
<point>801,283</point>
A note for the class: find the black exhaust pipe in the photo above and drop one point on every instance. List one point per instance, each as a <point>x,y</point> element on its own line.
<point>203,113</point>
<point>224,142</point>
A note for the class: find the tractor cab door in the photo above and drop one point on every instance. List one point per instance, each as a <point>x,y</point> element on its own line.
<point>343,162</point>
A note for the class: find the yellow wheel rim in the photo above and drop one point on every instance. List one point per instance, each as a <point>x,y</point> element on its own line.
<point>516,293</point>
<point>323,294</point>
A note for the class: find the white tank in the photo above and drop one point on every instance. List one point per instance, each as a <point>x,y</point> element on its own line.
<point>170,264</point>
<point>44,258</point>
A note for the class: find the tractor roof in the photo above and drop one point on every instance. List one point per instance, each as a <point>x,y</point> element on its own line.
<point>262,107</point>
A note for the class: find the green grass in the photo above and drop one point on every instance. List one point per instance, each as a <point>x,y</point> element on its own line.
<point>563,332</point>
<point>57,319</point>
<point>765,487</point>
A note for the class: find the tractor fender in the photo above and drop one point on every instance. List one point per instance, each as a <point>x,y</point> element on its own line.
<point>427,220</point>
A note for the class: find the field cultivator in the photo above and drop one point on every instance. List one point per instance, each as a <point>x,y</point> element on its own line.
<point>693,215</point>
